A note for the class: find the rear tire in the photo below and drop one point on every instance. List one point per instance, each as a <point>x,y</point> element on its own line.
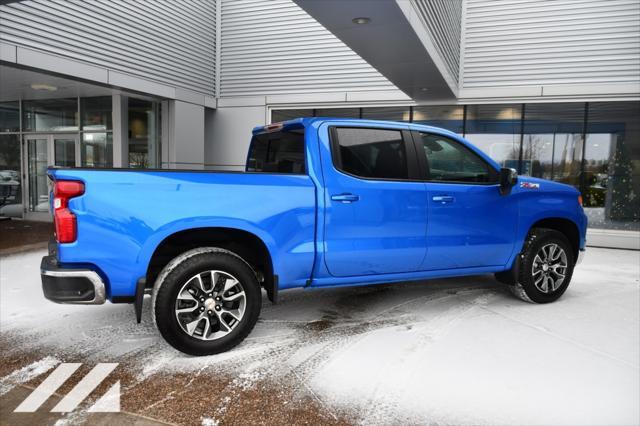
<point>545,268</point>
<point>206,301</point>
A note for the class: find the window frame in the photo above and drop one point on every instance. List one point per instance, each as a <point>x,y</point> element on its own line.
<point>494,174</point>
<point>305,172</point>
<point>413,169</point>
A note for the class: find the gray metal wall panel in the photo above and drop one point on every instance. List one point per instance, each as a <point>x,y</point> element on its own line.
<point>443,21</point>
<point>275,47</point>
<point>529,42</point>
<point>170,41</point>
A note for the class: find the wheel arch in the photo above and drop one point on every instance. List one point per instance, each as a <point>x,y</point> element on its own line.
<point>563,225</point>
<point>245,244</point>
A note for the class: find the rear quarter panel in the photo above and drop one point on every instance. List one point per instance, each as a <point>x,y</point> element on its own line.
<point>124,215</point>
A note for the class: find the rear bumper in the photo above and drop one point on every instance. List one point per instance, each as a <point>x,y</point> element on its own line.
<point>77,286</point>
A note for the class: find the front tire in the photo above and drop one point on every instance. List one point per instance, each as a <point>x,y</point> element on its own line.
<point>206,301</point>
<point>546,267</point>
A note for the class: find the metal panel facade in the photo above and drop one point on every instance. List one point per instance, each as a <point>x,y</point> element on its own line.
<point>530,42</point>
<point>169,41</point>
<point>275,47</point>
<point>442,19</point>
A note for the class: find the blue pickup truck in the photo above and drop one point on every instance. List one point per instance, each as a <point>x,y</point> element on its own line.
<point>323,202</point>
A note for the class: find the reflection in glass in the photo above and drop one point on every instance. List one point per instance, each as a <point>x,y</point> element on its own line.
<point>64,151</point>
<point>50,114</point>
<point>450,117</point>
<point>339,112</point>
<point>387,113</point>
<point>96,113</point>
<point>144,133</point>
<point>289,114</point>
<point>552,142</point>
<point>9,116</point>
<point>495,129</point>
<point>611,181</point>
<point>10,182</point>
<point>37,165</point>
<point>96,150</point>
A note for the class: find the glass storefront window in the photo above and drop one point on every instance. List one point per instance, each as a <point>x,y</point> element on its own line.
<point>96,150</point>
<point>339,112</point>
<point>50,115</point>
<point>450,117</point>
<point>96,113</point>
<point>64,152</point>
<point>10,182</point>
<point>611,180</point>
<point>495,129</point>
<point>9,116</point>
<point>289,114</point>
<point>144,133</point>
<point>552,141</point>
<point>387,113</point>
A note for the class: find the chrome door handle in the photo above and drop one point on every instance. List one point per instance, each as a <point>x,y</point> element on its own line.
<point>345,198</point>
<point>444,199</point>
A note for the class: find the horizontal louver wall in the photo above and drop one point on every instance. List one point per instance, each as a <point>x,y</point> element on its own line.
<point>442,19</point>
<point>275,47</point>
<point>169,41</point>
<point>533,42</point>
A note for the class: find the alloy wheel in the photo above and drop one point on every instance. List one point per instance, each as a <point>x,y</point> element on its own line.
<point>210,305</point>
<point>549,268</point>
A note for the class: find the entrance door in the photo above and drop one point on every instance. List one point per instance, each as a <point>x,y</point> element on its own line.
<point>40,152</point>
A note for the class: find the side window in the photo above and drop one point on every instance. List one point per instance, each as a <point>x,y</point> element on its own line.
<point>371,153</point>
<point>277,152</point>
<point>450,161</point>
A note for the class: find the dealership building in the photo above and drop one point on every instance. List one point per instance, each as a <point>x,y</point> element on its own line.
<point>551,88</point>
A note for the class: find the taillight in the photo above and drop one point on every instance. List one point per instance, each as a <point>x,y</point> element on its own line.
<point>580,200</point>
<point>64,219</point>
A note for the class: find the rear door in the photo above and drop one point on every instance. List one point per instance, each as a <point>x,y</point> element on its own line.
<point>470,223</point>
<point>376,209</point>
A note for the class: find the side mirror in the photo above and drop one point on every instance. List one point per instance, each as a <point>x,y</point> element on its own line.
<point>508,178</point>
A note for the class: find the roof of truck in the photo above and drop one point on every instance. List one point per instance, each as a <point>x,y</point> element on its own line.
<point>307,121</point>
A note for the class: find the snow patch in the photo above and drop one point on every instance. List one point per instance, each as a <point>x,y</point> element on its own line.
<point>27,373</point>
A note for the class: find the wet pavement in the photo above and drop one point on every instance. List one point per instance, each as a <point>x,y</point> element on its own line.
<point>455,351</point>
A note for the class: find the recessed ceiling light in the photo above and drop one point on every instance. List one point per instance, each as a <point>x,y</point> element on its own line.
<point>361,21</point>
<point>42,86</point>
<point>424,89</point>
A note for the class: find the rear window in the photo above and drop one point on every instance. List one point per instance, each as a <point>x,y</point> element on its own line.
<point>277,152</point>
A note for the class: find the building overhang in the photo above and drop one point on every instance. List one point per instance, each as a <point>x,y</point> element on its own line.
<point>394,41</point>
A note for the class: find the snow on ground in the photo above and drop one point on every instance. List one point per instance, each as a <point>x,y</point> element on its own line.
<point>460,351</point>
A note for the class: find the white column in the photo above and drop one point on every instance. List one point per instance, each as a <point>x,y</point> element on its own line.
<point>186,130</point>
<point>120,119</point>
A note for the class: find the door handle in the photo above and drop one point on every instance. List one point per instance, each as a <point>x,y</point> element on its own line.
<point>444,199</point>
<point>345,198</point>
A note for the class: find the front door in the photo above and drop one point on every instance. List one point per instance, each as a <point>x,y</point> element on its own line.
<point>41,151</point>
<point>376,212</point>
<point>470,223</point>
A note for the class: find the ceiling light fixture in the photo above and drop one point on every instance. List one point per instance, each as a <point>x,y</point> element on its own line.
<point>42,86</point>
<point>361,21</point>
<point>424,89</point>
